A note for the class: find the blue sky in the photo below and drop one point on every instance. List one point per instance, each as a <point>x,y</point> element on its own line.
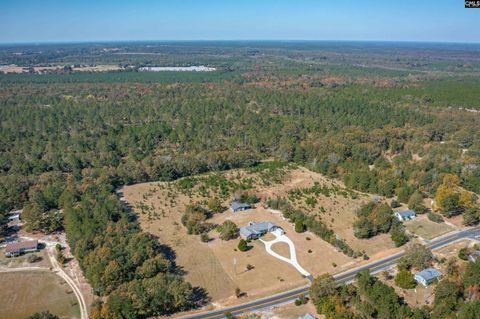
<point>116,20</point>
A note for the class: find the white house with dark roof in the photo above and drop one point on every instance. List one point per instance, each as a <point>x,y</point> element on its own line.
<point>405,215</point>
<point>426,276</point>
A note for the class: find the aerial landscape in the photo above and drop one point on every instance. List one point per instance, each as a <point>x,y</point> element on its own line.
<point>204,160</point>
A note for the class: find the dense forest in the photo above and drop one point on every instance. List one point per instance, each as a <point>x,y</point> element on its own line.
<point>394,120</point>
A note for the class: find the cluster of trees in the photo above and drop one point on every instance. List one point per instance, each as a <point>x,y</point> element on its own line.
<point>452,200</point>
<point>132,268</point>
<point>456,296</point>
<point>194,219</point>
<point>374,218</point>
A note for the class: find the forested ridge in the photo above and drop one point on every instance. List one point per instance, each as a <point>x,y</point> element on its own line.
<point>69,145</point>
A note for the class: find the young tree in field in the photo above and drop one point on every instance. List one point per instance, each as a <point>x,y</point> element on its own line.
<point>228,230</point>
<point>215,205</point>
<point>242,245</point>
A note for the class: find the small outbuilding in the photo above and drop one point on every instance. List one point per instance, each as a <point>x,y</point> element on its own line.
<point>237,206</point>
<point>16,249</point>
<point>427,276</point>
<point>405,215</point>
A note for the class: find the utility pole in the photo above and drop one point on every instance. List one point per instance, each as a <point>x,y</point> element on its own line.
<point>235,265</point>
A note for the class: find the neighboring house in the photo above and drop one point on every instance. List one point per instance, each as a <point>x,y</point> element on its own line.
<point>426,276</point>
<point>306,316</point>
<point>237,206</point>
<point>15,249</point>
<point>405,215</point>
<point>256,230</point>
<point>14,216</point>
<point>475,256</point>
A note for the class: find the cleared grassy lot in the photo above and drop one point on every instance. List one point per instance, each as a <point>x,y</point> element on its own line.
<point>24,293</point>
<point>427,229</point>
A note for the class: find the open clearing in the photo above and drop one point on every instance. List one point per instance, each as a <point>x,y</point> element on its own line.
<point>24,293</point>
<point>217,265</point>
<point>427,229</point>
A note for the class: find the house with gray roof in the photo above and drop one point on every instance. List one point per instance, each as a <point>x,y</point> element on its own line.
<point>405,215</point>
<point>426,276</point>
<point>237,206</point>
<point>256,230</point>
<point>306,316</point>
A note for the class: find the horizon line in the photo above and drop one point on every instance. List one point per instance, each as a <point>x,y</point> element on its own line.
<point>42,42</point>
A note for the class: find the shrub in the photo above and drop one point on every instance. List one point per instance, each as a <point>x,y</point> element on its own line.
<point>435,217</point>
<point>394,204</point>
<point>299,226</point>
<point>242,245</point>
<point>204,238</point>
<point>463,253</point>
<point>33,258</point>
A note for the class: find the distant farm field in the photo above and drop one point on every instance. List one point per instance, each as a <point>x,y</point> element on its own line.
<point>24,293</point>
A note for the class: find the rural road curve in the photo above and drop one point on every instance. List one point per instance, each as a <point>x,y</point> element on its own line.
<point>346,277</point>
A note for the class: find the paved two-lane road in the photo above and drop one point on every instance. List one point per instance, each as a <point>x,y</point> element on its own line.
<point>343,278</point>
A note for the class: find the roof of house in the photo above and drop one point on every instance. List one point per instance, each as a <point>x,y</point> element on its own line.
<point>14,247</point>
<point>306,316</point>
<point>475,254</point>
<point>236,205</point>
<point>429,274</point>
<point>256,228</point>
<point>407,213</point>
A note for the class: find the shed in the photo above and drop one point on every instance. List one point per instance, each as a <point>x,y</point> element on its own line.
<point>237,206</point>
<point>426,276</point>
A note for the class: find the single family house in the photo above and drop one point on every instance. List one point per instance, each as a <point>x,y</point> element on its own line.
<point>15,249</point>
<point>426,276</point>
<point>256,230</point>
<point>405,215</point>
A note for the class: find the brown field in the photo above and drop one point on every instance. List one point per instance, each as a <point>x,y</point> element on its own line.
<point>425,228</point>
<point>33,292</point>
<point>211,265</point>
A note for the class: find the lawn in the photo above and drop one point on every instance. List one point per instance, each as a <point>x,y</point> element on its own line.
<point>24,293</point>
<point>425,228</point>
